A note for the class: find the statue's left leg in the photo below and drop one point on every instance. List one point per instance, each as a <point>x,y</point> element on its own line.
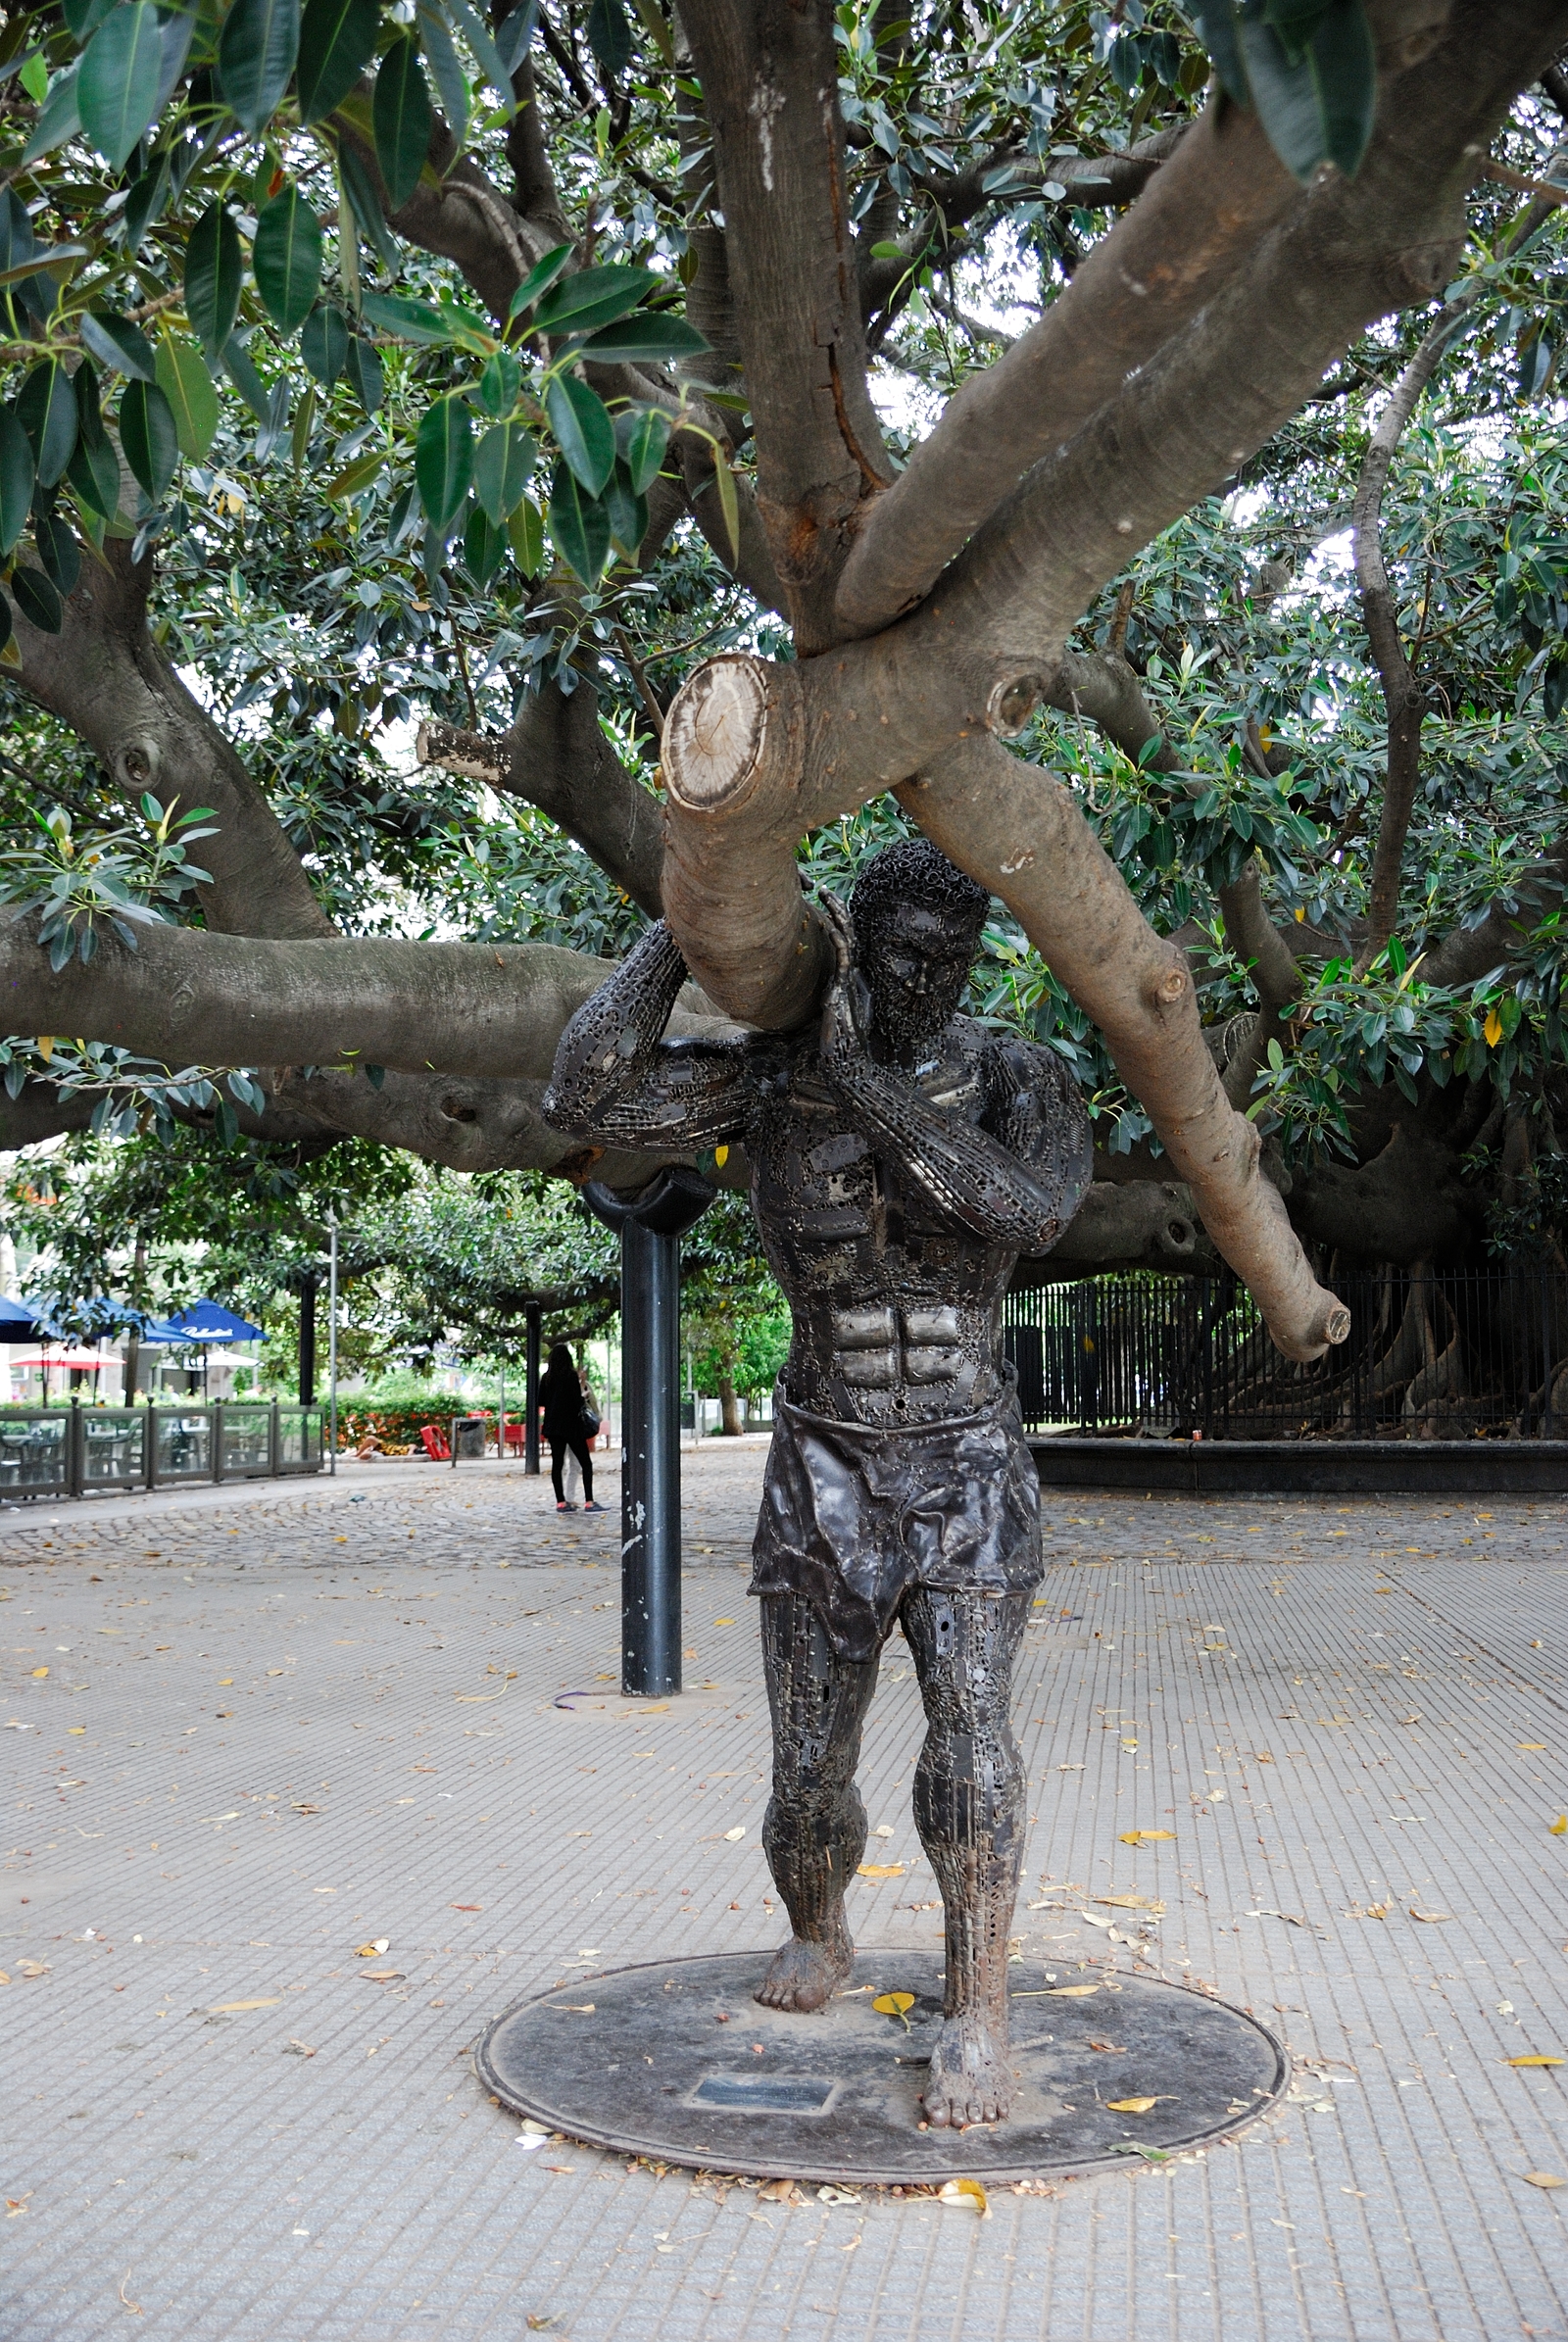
<point>970,1810</point>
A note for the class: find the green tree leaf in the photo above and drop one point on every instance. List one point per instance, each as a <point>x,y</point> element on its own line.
<point>364,370</point>
<point>579,524</point>
<point>452,83</point>
<point>17,470</point>
<point>642,437</point>
<point>59,116</point>
<point>357,476</point>
<point>628,514</point>
<point>401,118</point>
<point>148,436</point>
<point>214,271</point>
<point>35,597</point>
<point>583,432</point>
<point>325,344</point>
<point>119,344</point>
<point>46,409</point>
<point>256,53</point>
<point>145,202</point>
<point>117,88</point>
<point>476,33</point>
<point>650,336</point>
<point>443,460</point>
<point>594,297</point>
<point>94,467</point>
<point>58,550</point>
<point>337,41</point>
<point>485,547</point>
<point>287,256</point>
<point>84,16</point>
<point>1317,109</point>
<point>503,469</point>
<point>610,37</point>
<point>499,385</point>
<point>186,383</point>
<point>526,530</point>
<point>540,278</point>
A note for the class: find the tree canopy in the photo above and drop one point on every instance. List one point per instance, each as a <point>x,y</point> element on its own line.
<point>470,481</point>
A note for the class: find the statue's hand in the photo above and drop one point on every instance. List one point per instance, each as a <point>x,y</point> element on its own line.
<point>846,1010</point>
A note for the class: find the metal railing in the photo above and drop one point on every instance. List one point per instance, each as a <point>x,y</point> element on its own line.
<point>1432,1354</point>
<point>81,1451</point>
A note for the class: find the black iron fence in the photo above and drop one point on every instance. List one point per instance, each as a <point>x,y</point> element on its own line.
<point>1432,1354</point>
<point>84,1451</point>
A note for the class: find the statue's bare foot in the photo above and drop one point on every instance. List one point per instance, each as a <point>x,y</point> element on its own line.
<point>969,2082</point>
<point>803,1975</point>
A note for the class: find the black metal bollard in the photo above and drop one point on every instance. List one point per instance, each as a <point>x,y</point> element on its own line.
<point>651,1230</point>
<point>531,1391</point>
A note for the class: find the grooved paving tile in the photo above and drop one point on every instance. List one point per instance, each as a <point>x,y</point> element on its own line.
<point>285,1722</point>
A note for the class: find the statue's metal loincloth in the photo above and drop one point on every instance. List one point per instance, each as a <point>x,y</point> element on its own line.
<point>854,1514</point>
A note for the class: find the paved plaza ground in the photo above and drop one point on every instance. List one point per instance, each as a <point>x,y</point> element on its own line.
<point>247,1732</point>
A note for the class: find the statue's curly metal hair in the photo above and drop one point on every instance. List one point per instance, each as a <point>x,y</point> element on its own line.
<point>912,871</point>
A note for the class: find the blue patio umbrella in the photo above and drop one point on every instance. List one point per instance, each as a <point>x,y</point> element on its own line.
<point>17,1323</point>
<point>202,1322</point>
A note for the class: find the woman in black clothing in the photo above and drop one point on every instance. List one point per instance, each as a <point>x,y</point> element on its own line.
<point>561,1396</point>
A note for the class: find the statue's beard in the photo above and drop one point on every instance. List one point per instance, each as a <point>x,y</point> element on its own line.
<point>912,1020</point>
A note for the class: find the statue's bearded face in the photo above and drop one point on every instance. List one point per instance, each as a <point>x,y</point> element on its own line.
<point>916,964</point>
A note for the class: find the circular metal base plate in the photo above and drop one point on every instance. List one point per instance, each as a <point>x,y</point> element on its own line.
<point>675,2061</point>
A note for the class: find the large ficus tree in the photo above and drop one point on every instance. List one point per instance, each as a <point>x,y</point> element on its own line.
<point>830,406</point>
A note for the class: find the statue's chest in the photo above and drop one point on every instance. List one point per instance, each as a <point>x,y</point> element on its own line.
<point>822,1183</point>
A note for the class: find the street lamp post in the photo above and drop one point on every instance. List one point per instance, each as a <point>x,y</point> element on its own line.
<point>651,1229</point>
<point>332,1341</point>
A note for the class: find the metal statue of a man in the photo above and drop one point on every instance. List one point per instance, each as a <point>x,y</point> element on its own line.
<point>902,1157</point>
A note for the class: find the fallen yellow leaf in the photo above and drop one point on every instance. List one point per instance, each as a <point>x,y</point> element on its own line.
<point>1433,1918</point>
<point>1559,1828</point>
<point>964,2191</point>
<point>4,1978</point>
<point>227,2008</point>
<point>1143,1837</point>
<point>1065,1992</point>
<point>1543,2179</point>
<point>894,2004</point>
<point>1132,1902</point>
<point>32,1967</point>
<point>1536,2061</point>
<point>225,1683</point>
<point>373,1951</point>
<point>881,1870</point>
<point>1129,2105</point>
<point>38,1674</point>
<point>75,1728</point>
<point>1529,1746</point>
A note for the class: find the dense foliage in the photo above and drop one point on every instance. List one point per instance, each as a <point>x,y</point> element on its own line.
<point>370,500</point>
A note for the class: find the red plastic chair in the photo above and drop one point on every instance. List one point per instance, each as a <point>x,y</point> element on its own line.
<point>435,1448</point>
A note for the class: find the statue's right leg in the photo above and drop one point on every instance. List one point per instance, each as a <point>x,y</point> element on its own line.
<point>813,1833</point>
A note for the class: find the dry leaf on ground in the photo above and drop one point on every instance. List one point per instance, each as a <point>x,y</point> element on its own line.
<point>730,1836</point>
<point>1134,2106</point>
<point>881,1870</point>
<point>894,2004</point>
<point>373,1951</point>
<point>1559,1828</point>
<point>1144,1837</point>
<point>1432,1917</point>
<point>1132,1903</point>
<point>230,2008</point>
<point>964,2191</point>
<point>32,1967</point>
<point>1544,2178</point>
<point>1536,2061</point>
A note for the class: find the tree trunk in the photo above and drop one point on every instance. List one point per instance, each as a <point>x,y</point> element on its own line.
<point>729,1405</point>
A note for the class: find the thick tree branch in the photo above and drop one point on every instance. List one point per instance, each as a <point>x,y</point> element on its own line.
<point>186,997</point>
<point>769,76</point>
<point>105,677</point>
<point>1073,904</point>
<point>977,653</point>
<point>556,757</point>
<point>1202,215</point>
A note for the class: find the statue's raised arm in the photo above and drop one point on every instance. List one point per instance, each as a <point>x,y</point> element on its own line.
<point>617,1082</point>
